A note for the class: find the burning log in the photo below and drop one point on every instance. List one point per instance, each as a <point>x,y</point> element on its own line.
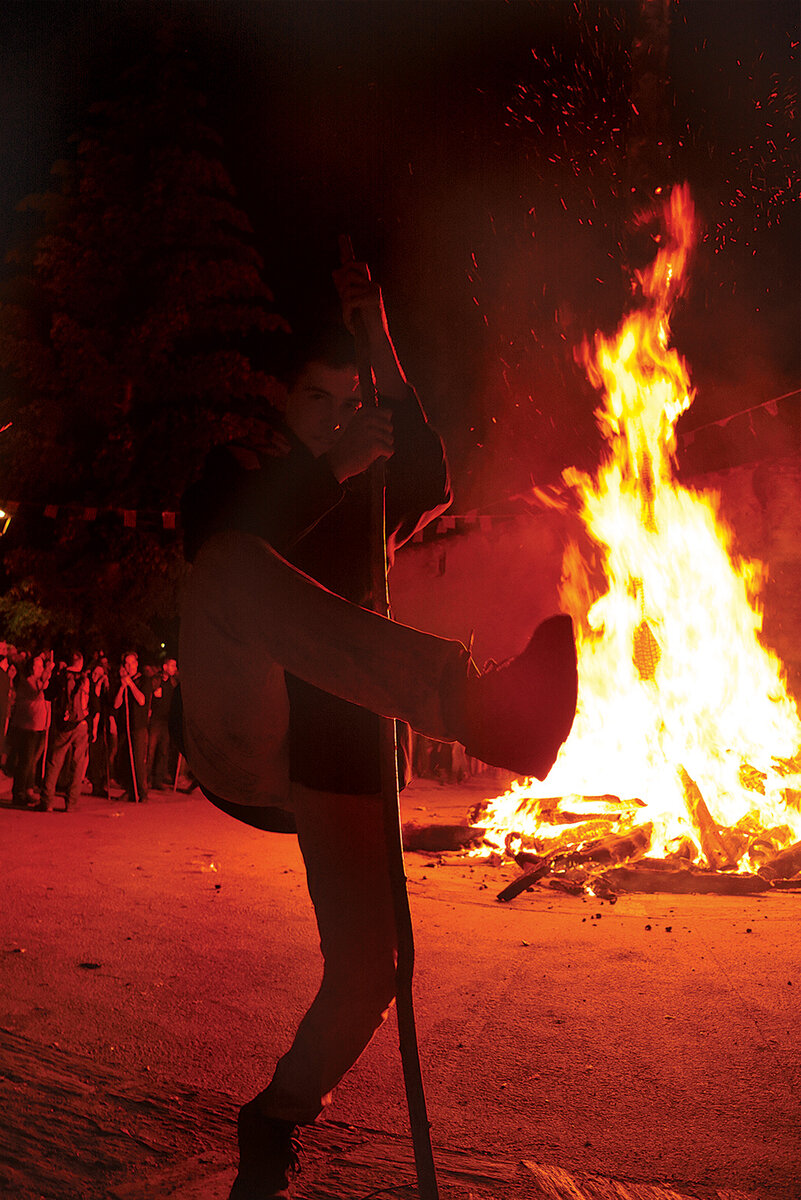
<point>524,881</point>
<point>718,854</point>
<point>682,881</point>
<point>602,890</point>
<point>617,847</point>
<point>785,865</point>
<point>610,809</point>
<point>573,888</point>
<point>576,836</point>
<point>761,851</point>
<point>433,838</point>
<point>684,850</point>
<point>613,848</point>
<point>549,811</point>
<point>561,816</point>
<point>526,860</point>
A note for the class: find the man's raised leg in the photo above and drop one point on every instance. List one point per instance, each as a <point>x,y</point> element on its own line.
<point>247,615</point>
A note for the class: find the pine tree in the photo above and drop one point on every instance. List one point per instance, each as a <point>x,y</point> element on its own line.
<point>126,349</point>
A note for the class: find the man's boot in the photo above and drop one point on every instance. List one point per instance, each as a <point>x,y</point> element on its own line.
<point>517,715</point>
<point>268,1156</point>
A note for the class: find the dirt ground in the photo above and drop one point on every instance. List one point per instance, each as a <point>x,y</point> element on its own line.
<point>156,958</point>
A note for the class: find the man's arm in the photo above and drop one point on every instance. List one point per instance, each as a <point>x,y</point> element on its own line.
<point>417,474</point>
<point>360,295</point>
<point>127,683</point>
<point>418,482</point>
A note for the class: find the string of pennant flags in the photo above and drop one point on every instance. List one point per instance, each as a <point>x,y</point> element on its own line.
<point>150,519</point>
<point>771,407</point>
<point>132,518</point>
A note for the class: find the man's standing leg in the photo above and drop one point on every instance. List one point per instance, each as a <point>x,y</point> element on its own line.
<point>158,748</point>
<point>56,753</point>
<point>343,843</point>
<point>123,766</point>
<point>139,740</point>
<point>26,745</point>
<point>79,743</point>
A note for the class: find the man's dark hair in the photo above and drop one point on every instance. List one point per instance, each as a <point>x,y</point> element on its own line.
<point>329,343</point>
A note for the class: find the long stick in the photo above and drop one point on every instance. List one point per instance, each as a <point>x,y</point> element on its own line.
<point>41,765</point>
<point>107,758</point>
<point>131,749</point>
<point>407,1030</point>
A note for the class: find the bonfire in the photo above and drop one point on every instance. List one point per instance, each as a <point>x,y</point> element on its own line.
<point>683,763</point>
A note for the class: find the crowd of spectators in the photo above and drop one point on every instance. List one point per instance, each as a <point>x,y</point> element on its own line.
<point>70,721</point>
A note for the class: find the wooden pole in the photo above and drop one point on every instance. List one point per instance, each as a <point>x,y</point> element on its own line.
<point>134,783</point>
<point>177,771</point>
<point>407,1030</point>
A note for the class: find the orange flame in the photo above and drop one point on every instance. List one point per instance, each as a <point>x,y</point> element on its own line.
<point>683,714</point>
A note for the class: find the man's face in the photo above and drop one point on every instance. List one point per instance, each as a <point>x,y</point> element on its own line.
<point>321,405</point>
<point>170,667</point>
<point>76,663</point>
<point>130,664</point>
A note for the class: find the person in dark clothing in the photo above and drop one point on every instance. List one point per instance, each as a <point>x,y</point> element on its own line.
<point>28,723</point>
<point>164,684</point>
<point>102,731</point>
<point>306,493</point>
<point>131,705</point>
<point>295,742</point>
<point>5,700</point>
<point>68,743</point>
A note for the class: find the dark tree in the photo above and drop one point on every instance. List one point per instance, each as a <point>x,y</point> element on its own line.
<point>127,344</point>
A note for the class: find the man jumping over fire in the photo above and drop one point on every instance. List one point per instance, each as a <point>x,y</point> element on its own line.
<point>283,674</point>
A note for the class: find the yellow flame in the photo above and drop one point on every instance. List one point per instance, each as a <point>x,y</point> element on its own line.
<point>675,688</point>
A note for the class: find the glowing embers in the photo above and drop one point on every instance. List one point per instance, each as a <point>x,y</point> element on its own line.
<point>680,705</point>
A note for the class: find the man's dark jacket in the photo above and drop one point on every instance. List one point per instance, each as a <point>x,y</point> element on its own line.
<point>279,491</point>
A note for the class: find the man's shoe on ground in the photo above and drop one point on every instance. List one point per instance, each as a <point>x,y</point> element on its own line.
<point>268,1156</point>
<point>518,715</point>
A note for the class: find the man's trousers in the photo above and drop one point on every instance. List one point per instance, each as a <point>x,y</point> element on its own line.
<point>70,744</point>
<point>343,843</point>
<point>27,746</point>
<point>158,754</point>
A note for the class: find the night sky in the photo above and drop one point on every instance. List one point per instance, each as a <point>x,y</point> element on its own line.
<point>476,151</point>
